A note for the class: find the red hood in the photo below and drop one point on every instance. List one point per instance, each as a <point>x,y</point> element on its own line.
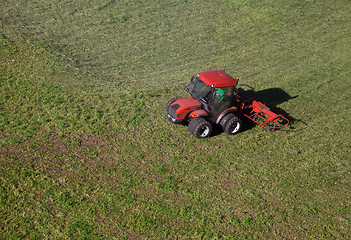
<point>186,103</point>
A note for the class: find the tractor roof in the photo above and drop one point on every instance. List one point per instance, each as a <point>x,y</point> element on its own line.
<point>217,79</point>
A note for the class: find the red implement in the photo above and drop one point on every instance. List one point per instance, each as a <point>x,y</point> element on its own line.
<point>263,116</point>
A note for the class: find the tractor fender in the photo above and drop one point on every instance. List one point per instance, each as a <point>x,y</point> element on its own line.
<point>225,112</point>
<point>199,113</point>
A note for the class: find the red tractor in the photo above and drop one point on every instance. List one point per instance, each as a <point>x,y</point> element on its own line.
<point>216,100</point>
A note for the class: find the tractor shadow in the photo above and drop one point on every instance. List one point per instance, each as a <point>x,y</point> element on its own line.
<point>271,97</point>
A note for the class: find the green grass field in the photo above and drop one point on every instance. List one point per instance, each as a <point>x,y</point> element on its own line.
<point>86,150</point>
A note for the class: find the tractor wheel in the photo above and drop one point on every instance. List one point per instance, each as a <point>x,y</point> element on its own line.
<point>200,128</point>
<point>169,103</point>
<point>231,124</point>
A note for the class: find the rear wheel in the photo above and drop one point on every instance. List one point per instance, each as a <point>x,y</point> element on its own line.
<point>231,124</point>
<point>200,128</point>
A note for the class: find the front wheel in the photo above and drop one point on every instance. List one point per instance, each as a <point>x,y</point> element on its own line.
<point>231,124</point>
<point>200,128</point>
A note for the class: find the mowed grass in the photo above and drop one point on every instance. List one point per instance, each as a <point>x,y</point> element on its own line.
<point>87,151</point>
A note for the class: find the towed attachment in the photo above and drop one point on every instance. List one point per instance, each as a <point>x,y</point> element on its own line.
<point>264,117</point>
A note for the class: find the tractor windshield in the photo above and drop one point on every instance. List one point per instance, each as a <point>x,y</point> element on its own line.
<point>197,89</point>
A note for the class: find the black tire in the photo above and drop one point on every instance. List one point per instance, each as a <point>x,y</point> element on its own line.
<point>169,103</point>
<point>225,119</point>
<point>231,124</point>
<point>200,128</point>
<point>191,125</point>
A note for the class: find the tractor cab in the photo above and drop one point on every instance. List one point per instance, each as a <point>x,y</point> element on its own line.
<point>213,90</point>
<point>198,90</point>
